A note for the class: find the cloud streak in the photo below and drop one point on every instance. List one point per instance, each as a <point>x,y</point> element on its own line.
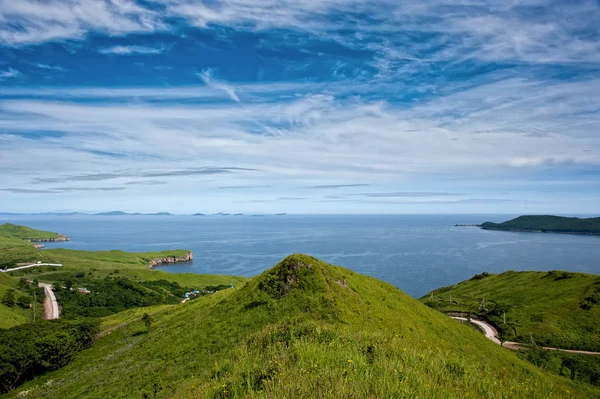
<point>131,50</point>
<point>124,174</point>
<point>209,80</point>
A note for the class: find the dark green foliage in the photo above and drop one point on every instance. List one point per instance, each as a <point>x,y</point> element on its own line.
<point>24,301</point>
<point>584,368</point>
<point>8,298</point>
<point>558,275</point>
<point>480,276</point>
<point>115,294</point>
<point>147,321</point>
<point>592,300</point>
<point>32,349</point>
<point>544,223</point>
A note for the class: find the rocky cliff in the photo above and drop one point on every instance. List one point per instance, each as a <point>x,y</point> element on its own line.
<point>58,238</point>
<point>170,259</point>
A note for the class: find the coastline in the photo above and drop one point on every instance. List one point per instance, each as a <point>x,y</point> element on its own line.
<point>59,238</point>
<point>170,260</point>
<point>542,231</point>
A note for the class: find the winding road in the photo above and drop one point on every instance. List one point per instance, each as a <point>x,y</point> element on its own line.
<point>50,305</point>
<point>28,266</point>
<point>492,334</point>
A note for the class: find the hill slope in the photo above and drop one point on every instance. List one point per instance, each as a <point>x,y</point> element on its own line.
<point>301,329</point>
<point>544,223</point>
<point>560,309</point>
<point>99,265</point>
<point>25,233</point>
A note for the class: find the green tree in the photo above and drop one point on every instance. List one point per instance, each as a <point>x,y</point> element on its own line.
<point>147,321</point>
<point>9,298</point>
<point>24,301</point>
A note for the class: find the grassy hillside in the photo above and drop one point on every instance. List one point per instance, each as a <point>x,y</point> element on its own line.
<point>12,315</point>
<point>25,233</point>
<point>544,223</point>
<point>93,265</point>
<point>301,329</point>
<point>560,309</point>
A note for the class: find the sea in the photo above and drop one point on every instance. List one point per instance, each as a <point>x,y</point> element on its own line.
<point>416,253</point>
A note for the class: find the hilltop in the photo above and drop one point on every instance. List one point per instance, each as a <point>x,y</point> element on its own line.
<point>559,309</point>
<point>303,328</point>
<point>549,224</point>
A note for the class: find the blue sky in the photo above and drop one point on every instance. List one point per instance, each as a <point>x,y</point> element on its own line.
<point>329,106</point>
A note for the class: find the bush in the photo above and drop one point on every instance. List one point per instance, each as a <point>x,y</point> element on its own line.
<point>33,349</point>
<point>9,298</point>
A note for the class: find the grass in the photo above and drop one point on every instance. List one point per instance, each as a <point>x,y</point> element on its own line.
<point>12,316</point>
<point>25,233</point>
<point>14,249</point>
<point>301,329</point>
<point>560,309</point>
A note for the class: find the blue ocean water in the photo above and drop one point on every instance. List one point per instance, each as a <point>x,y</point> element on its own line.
<point>416,253</point>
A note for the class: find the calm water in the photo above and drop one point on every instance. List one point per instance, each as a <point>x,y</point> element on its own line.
<point>416,253</point>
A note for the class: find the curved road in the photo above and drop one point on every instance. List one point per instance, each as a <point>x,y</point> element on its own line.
<point>492,334</point>
<point>50,305</point>
<point>28,266</point>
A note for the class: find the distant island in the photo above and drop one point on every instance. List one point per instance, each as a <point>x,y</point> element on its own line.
<point>121,213</point>
<point>548,224</point>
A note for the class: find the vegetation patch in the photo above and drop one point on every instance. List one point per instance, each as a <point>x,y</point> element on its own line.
<point>36,348</point>
<point>556,308</point>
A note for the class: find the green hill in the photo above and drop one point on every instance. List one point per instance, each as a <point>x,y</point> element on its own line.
<point>550,224</point>
<point>25,233</point>
<point>560,309</point>
<point>83,267</point>
<point>301,329</point>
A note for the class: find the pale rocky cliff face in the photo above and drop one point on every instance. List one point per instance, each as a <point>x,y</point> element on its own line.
<point>171,259</point>
<point>61,237</point>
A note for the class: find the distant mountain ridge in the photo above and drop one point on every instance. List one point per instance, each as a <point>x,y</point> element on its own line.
<point>548,224</point>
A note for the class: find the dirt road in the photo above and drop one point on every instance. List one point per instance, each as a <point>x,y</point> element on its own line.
<point>492,334</point>
<point>50,305</point>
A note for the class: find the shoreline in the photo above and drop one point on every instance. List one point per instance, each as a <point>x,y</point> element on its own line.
<point>59,238</point>
<point>170,260</point>
<point>542,231</point>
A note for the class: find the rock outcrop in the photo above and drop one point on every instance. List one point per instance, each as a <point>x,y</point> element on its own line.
<point>170,259</point>
<point>58,238</point>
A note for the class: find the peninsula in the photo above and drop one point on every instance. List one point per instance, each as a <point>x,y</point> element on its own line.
<point>548,224</point>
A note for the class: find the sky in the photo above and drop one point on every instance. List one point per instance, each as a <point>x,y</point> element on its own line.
<point>313,106</point>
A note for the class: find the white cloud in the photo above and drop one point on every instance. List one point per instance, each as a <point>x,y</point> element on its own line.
<point>207,77</point>
<point>8,74</point>
<point>525,31</point>
<point>131,50</point>
<point>315,136</point>
<point>25,22</point>
<point>51,67</point>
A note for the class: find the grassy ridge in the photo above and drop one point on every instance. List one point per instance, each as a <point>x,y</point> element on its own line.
<point>560,309</point>
<point>25,233</point>
<point>302,329</point>
<point>545,223</point>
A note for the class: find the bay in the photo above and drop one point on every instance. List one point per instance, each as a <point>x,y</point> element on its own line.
<point>416,253</point>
